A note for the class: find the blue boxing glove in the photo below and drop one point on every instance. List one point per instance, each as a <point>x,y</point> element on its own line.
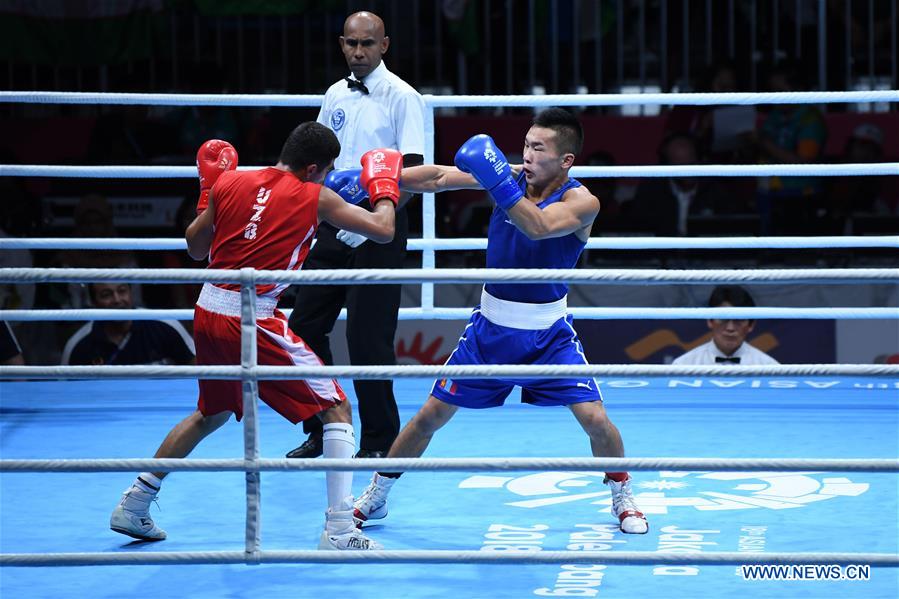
<point>480,157</point>
<point>345,182</point>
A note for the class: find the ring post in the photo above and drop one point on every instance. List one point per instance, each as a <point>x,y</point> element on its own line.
<point>250,387</point>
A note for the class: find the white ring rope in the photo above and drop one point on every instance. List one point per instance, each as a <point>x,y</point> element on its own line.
<point>857,313</point>
<point>455,465</point>
<point>688,170</point>
<point>269,100</point>
<point>529,371</point>
<point>624,558</point>
<point>375,276</point>
<point>249,373</point>
<point>480,243</point>
<point>664,99</point>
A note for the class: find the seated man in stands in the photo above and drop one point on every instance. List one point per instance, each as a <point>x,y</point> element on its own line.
<point>667,204</point>
<point>728,344</point>
<point>791,134</point>
<point>126,341</point>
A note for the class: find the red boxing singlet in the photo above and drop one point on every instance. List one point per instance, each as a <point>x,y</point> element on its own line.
<point>265,220</point>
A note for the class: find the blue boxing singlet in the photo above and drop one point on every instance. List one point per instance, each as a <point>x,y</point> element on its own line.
<point>507,247</point>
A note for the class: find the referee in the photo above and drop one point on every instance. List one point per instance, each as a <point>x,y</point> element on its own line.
<point>372,108</point>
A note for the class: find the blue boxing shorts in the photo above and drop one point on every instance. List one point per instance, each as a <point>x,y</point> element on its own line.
<point>485,342</point>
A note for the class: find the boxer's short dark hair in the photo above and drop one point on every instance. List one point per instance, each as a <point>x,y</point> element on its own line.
<point>569,133</point>
<point>309,143</point>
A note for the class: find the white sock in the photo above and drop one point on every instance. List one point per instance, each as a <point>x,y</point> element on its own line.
<point>148,482</point>
<point>146,486</point>
<point>338,441</point>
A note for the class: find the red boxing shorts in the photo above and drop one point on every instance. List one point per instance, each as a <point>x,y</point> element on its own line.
<point>217,338</point>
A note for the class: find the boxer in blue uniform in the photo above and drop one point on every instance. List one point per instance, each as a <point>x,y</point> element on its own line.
<point>542,219</point>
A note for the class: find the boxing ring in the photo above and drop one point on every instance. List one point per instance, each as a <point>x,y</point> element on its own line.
<point>810,479</point>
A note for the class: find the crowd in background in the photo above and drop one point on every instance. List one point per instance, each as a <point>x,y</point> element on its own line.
<point>678,206</point>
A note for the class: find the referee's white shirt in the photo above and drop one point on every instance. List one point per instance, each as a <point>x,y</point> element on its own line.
<point>391,115</point>
<point>707,352</point>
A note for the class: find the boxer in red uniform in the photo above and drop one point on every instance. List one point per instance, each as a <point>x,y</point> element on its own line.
<point>266,219</point>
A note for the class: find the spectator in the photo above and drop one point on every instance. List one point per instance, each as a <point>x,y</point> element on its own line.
<point>10,350</point>
<point>126,341</point>
<point>665,205</point>
<point>724,134</point>
<point>699,121</point>
<point>791,134</point>
<point>728,344</point>
<point>93,218</point>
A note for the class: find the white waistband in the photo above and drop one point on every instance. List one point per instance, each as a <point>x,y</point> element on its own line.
<point>226,302</point>
<point>519,315</point>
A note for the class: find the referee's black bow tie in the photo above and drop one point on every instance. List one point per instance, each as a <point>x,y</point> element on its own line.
<point>356,84</point>
<point>732,360</point>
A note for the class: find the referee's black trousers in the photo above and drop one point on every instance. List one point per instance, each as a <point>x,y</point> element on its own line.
<point>370,328</point>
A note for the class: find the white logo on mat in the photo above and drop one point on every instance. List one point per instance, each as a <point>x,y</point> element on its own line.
<point>704,491</point>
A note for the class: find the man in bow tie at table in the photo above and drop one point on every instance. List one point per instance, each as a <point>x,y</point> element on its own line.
<point>372,108</point>
<point>728,344</point>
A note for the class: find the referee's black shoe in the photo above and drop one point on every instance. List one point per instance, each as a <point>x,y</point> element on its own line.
<point>311,447</point>
<point>370,453</point>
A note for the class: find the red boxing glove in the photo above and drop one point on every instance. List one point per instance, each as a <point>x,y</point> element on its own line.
<point>213,158</point>
<point>381,174</point>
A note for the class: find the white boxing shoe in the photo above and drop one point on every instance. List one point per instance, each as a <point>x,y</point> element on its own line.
<point>372,504</point>
<point>631,520</point>
<point>340,532</point>
<point>132,515</point>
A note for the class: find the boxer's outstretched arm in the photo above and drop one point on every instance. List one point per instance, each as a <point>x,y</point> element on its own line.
<point>433,178</point>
